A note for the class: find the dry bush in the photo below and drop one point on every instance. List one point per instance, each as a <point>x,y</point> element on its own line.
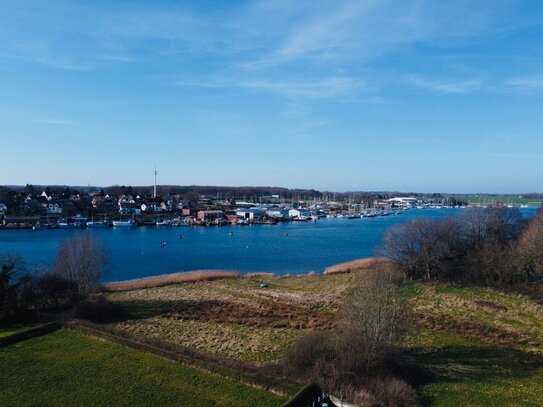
<point>100,310</point>
<point>362,348</point>
<point>168,279</point>
<point>357,265</point>
<point>386,392</point>
<point>530,247</point>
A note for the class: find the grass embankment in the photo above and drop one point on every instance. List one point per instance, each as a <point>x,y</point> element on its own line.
<point>477,346</point>
<point>66,369</point>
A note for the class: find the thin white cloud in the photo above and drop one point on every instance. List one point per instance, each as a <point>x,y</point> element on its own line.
<point>332,87</point>
<point>444,86</point>
<point>526,83</point>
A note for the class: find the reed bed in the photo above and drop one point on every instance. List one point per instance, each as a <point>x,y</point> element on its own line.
<point>357,265</point>
<point>260,275</point>
<point>168,279</point>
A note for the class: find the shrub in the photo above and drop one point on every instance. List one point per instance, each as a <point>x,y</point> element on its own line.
<point>100,310</point>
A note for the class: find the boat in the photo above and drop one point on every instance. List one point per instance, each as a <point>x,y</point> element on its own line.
<point>164,222</point>
<point>97,224</point>
<point>124,223</point>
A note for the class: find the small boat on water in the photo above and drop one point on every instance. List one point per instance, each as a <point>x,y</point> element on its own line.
<point>164,222</point>
<point>124,223</point>
<point>97,224</point>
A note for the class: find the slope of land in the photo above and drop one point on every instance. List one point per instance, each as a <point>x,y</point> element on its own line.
<point>477,346</point>
<point>66,369</point>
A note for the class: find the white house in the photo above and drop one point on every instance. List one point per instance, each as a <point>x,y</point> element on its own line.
<point>404,202</point>
<point>300,213</point>
<point>53,208</point>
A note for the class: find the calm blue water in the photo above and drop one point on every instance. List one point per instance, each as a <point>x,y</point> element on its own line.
<point>136,252</point>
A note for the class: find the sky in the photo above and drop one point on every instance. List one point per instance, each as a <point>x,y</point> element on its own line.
<point>429,96</point>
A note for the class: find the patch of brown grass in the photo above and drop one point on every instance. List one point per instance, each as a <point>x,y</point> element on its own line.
<point>358,265</point>
<point>473,330</point>
<point>168,279</point>
<point>260,275</point>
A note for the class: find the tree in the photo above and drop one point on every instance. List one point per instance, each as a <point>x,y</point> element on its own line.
<point>81,259</point>
<point>530,247</point>
<point>371,316</point>
<point>423,247</point>
<point>10,271</point>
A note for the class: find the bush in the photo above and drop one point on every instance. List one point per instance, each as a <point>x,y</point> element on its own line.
<point>362,349</point>
<point>100,310</point>
<point>530,247</point>
<point>386,392</point>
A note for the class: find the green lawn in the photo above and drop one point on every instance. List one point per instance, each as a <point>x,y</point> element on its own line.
<point>465,373</point>
<point>17,328</point>
<point>466,368</point>
<point>66,369</point>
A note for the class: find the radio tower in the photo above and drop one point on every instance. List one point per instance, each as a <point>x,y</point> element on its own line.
<point>154,189</point>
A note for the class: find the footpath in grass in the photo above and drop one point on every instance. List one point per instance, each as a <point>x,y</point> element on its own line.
<point>66,369</point>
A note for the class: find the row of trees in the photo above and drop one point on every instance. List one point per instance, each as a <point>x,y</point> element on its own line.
<point>480,246</point>
<point>74,275</point>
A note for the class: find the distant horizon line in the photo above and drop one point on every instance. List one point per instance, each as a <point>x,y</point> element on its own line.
<point>89,186</point>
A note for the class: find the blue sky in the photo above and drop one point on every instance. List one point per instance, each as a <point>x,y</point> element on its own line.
<point>337,95</point>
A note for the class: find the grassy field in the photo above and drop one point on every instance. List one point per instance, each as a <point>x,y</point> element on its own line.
<point>479,347</point>
<point>235,318</point>
<point>495,199</point>
<point>476,346</point>
<point>66,369</point>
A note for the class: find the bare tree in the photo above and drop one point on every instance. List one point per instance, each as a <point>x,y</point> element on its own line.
<point>371,317</point>
<point>81,259</point>
<point>422,247</point>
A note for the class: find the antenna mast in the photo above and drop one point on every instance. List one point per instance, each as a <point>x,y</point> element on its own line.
<point>154,189</point>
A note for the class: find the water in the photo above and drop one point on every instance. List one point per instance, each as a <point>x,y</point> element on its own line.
<point>292,247</point>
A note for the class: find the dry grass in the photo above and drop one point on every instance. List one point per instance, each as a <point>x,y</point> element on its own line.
<point>260,275</point>
<point>168,279</point>
<point>357,265</point>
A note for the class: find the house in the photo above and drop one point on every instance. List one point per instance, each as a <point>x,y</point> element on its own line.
<point>250,214</point>
<point>210,216</point>
<point>278,213</point>
<point>300,214</point>
<point>403,202</point>
<point>53,208</point>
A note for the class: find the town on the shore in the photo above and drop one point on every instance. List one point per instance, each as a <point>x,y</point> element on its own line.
<point>64,207</point>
